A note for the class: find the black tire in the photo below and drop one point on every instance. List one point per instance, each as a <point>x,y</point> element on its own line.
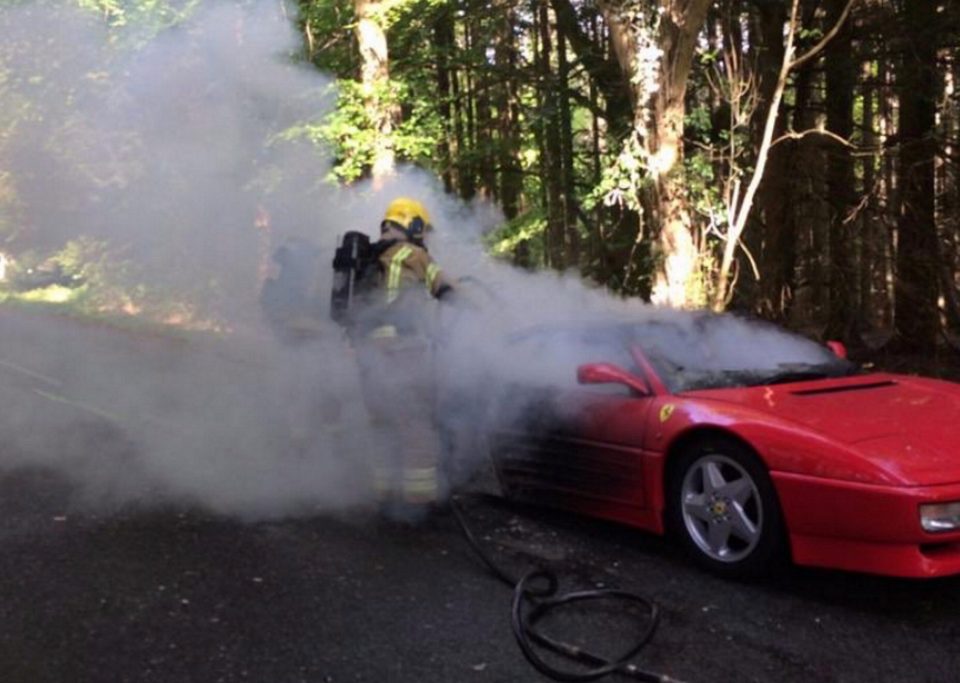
<point>723,509</point>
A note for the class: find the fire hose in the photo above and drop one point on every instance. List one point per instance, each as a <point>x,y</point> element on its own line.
<point>535,598</point>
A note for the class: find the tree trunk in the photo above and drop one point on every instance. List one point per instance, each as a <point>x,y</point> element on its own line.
<point>746,294</point>
<point>375,79</point>
<point>776,254</point>
<point>610,76</point>
<point>841,77</point>
<point>868,232</point>
<point>596,261</point>
<point>465,102</point>
<point>658,116</point>
<point>807,210</point>
<point>484,143</point>
<point>916,318</point>
<point>508,112</point>
<point>681,22</point>
<point>888,189</point>
<point>569,194</point>
<point>443,34</point>
<point>552,150</point>
<point>950,196</point>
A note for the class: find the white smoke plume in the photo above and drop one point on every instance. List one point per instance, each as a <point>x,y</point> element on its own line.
<point>170,149</point>
<point>176,161</point>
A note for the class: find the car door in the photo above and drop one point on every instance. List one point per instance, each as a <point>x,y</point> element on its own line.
<point>576,446</point>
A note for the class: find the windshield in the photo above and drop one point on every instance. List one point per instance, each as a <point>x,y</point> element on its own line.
<point>718,351</point>
<point>687,352</point>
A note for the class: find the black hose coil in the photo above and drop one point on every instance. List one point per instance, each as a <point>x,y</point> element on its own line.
<point>543,600</point>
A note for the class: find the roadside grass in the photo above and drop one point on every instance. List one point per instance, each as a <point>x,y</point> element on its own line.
<point>78,303</point>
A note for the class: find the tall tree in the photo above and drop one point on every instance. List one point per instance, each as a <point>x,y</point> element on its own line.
<point>740,200</point>
<point>568,181</point>
<point>552,147</point>
<point>607,74</point>
<point>777,254</point>
<point>656,49</point>
<point>508,111</point>
<point>443,35</point>
<point>375,81</point>
<point>841,75</point>
<point>916,317</point>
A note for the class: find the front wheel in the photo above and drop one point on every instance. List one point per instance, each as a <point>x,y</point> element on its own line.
<point>722,506</point>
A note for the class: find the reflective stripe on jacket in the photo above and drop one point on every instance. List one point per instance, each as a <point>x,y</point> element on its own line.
<point>406,264</point>
<point>420,484</point>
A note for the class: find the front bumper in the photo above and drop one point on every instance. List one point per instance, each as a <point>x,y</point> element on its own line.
<point>867,528</point>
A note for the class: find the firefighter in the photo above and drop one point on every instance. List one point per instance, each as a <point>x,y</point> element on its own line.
<point>392,337</point>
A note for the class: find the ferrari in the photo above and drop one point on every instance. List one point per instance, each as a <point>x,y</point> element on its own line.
<point>750,445</point>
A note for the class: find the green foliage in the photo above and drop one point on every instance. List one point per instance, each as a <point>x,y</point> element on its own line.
<point>348,130</point>
<point>351,129</point>
<point>91,261</point>
<point>9,205</point>
<point>702,285</point>
<point>91,278</point>
<point>400,12</point>
<point>85,272</point>
<point>698,123</point>
<point>706,203</point>
<point>812,35</point>
<point>54,295</point>
<point>111,10</point>
<point>708,56</point>
<point>525,231</point>
<point>327,28</point>
<point>703,190</point>
<point>134,23</point>
<point>152,15</point>
<point>623,180</point>
<point>415,139</point>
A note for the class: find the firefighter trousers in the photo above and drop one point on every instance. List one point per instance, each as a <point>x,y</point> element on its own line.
<point>398,389</point>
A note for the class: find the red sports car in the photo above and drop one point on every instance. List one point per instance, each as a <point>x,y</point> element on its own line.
<point>746,443</point>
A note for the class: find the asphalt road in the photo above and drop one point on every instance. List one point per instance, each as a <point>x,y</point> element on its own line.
<point>179,595</point>
<point>176,593</point>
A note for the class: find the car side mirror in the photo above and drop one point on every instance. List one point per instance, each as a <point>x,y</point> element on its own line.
<point>838,348</point>
<point>608,373</point>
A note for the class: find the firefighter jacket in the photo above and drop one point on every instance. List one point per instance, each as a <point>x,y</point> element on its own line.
<point>405,264</point>
<point>407,275</point>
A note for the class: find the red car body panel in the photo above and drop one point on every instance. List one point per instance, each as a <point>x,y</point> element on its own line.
<point>866,528</point>
<point>851,459</point>
<point>906,425</point>
<point>850,497</point>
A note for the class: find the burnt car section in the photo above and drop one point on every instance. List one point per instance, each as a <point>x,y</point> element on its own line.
<point>552,452</point>
<point>565,444</point>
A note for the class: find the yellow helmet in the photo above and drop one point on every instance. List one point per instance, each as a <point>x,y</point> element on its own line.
<point>410,216</point>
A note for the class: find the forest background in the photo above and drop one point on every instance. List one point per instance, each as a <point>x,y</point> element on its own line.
<point>789,159</point>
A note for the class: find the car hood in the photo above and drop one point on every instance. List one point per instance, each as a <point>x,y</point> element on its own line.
<point>908,425</point>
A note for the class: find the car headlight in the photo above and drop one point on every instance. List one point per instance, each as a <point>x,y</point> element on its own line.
<point>940,516</point>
